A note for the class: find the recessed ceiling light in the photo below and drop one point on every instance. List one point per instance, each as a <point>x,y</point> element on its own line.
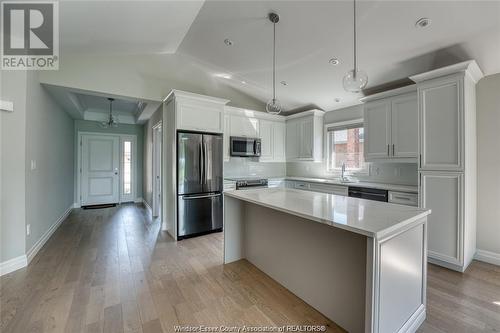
<point>284,83</point>
<point>228,42</point>
<point>334,61</point>
<point>244,82</point>
<point>337,100</point>
<point>423,22</point>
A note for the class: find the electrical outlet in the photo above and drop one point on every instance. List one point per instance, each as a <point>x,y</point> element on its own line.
<point>33,165</point>
<point>28,229</point>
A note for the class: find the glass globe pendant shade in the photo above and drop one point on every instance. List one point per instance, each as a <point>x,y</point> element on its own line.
<point>355,80</point>
<point>273,106</point>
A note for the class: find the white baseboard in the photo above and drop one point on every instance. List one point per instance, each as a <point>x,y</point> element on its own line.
<point>13,264</point>
<point>487,256</point>
<point>45,237</point>
<point>148,207</point>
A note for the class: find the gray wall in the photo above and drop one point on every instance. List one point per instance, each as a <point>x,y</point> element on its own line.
<point>394,173</point>
<point>94,126</point>
<point>13,185</point>
<point>488,153</point>
<point>147,182</point>
<point>49,141</point>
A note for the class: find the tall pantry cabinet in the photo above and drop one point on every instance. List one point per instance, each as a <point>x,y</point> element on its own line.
<point>447,161</point>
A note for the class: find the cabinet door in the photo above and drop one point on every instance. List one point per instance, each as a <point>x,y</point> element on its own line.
<point>442,193</point>
<point>292,139</point>
<point>267,140</point>
<point>200,116</point>
<point>441,122</point>
<point>404,128</point>
<point>244,126</point>
<point>279,141</point>
<point>377,123</point>
<point>306,138</point>
<point>227,133</point>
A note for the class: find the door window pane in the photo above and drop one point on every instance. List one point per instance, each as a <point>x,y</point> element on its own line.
<point>127,167</point>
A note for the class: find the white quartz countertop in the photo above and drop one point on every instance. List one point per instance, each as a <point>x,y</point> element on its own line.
<point>370,218</point>
<point>383,186</point>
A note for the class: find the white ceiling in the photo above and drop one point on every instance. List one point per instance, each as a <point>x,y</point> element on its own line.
<point>311,32</point>
<point>124,27</point>
<point>390,47</point>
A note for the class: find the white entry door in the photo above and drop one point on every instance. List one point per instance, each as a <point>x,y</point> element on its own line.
<point>100,182</point>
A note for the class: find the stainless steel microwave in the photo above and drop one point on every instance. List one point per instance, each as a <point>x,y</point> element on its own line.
<point>245,147</point>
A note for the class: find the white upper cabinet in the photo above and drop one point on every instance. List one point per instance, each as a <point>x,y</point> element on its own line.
<point>279,135</point>
<point>391,125</point>
<point>267,140</point>
<point>256,124</point>
<point>304,136</point>
<point>404,126</point>
<point>226,137</point>
<point>244,126</point>
<point>198,112</point>
<point>441,119</point>
<point>377,125</point>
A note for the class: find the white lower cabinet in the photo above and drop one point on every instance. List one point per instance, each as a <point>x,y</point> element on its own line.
<point>442,192</point>
<point>318,187</point>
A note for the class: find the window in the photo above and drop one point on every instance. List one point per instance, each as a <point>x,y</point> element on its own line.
<point>345,145</point>
<point>127,167</point>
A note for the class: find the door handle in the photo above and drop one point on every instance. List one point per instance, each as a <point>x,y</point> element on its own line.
<point>200,159</point>
<point>201,196</point>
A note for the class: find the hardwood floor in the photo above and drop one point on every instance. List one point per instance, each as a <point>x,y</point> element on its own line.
<point>112,270</point>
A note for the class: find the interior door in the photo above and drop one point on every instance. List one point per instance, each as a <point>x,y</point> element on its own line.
<point>100,169</point>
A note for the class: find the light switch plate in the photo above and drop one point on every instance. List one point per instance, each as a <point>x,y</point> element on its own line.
<point>6,106</point>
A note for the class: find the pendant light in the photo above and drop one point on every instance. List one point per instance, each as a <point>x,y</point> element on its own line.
<point>355,80</point>
<point>111,122</point>
<point>274,105</point>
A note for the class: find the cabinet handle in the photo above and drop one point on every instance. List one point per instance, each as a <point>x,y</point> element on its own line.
<point>401,198</point>
<point>387,150</point>
<point>420,157</point>
<point>393,149</point>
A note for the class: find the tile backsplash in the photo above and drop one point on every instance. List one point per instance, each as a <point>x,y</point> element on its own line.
<point>392,173</point>
<point>251,167</point>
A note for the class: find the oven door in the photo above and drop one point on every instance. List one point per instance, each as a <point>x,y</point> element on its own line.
<point>245,147</point>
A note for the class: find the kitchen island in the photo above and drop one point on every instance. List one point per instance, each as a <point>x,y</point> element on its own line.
<point>360,263</point>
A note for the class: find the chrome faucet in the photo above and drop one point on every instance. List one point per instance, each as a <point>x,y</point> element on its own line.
<point>342,177</point>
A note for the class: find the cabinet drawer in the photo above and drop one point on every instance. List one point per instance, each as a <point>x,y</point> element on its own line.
<point>301,185</point>
<point>403,198</point>
<point>329,188</point>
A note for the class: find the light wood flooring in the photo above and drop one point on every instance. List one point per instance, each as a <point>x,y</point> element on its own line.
<point>112,270</point>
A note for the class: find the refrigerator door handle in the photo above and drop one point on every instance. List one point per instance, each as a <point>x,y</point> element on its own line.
<point>201,162</point>
<point>201,196</point>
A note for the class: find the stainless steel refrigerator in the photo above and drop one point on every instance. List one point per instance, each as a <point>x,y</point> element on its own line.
<point>199,183</point>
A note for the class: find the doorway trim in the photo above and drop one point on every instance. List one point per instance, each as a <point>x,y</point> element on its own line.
<point>157,162</point>
<point>122,137</point>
